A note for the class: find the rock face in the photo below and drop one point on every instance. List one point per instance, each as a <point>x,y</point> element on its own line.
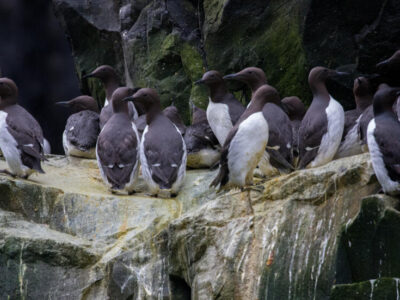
<point>168,44</point>
<point>308,235</point>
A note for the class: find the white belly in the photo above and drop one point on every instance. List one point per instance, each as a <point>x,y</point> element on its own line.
<point>351,144</point>
<point>219,119</point>
<point>46,147</point>
<point>388,185</point>
<point>10,150</point>
<point>71,150</point>
<point>247,148</point>
<point>331,140</point>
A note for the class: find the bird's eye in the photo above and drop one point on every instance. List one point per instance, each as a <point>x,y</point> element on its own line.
<point>145,95</point>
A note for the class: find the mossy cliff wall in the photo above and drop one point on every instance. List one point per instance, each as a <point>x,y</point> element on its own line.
<point>313,234</point>
<point>168,44</point>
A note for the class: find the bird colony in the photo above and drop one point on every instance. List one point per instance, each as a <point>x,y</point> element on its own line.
<point>132,135</point>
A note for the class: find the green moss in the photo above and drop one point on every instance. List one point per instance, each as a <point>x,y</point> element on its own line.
<point>192,62</point>
<point>271,41</point>
<point>383,288</point>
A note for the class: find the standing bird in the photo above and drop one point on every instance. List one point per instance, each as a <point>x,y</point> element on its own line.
<point>365,118</point>
<point>117,147</point>
<point>296,111</point>
<point>162,149</point>
<point>111,82</point>
<point>201,143</point>
<point>223,110</point>
<point>82,128</point>
<point>383,137</point>
<point>322,127</point>
<point>246,142</point>
<point>21,137</point>
<point>351,143</point>
<point>279,154</point>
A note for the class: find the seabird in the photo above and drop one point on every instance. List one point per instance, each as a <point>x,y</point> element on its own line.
<point>296,111</point>
<point>201,144</point>
<point>162,149</point>
<point>351,143</point>
<point>21,137</point>
<point>111,82</point>
<point>223,110</point>
<point>383,137</point>
<point>171,112</point>
<point>82,128</point>
<point>322,127</point>
<point>279,153</point>
<point>117,147</point>
<point>246,142</point>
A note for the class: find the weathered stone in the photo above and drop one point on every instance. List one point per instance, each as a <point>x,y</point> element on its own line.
<point>64,234</point>
<point>167,44</point>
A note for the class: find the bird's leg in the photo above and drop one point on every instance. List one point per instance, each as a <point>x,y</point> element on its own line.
<point>4,171</point>
<point>249,205</point>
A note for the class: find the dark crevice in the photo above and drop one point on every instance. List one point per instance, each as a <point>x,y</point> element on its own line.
<point>179,289</point>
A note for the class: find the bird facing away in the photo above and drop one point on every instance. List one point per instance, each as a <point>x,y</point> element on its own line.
<point>351,143</point>
<point>21,137</point>
<point>201,144</point>
<point>82,128</point>
<point>322,127</point>
<point>245,143</point>
<point>223,110</point>
<point>296,111</point>
<point>162,149</point>
<point>172,113</point>
<point>117,147</point>
<point>383,136</point>
<point>111,82</point>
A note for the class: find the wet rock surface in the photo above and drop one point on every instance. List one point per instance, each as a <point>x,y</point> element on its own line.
<point>311,234</point>
<point>167,45</point>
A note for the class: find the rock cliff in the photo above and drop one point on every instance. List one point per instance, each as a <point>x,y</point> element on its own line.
<point>168,44</point>
<point>313,234</point>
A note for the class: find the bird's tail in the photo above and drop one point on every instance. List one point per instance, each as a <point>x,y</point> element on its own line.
<point>222,177</point>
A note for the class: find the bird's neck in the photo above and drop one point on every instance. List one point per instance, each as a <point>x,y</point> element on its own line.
<point>319,90</point>
<point>363,102</point>
<point>217,91</point>
<point>110,86</point>
<point>152,113</point>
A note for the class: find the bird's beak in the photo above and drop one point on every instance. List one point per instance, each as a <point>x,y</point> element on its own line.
<point>63,103</point>
<point>198,82</point>
<point>230,76</point>
<point>341,73</point>
<point>88,76</point>
<point>130,98</point>
<point>382,64</point>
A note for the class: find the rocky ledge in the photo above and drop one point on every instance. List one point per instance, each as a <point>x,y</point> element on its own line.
<point>313,234</point>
